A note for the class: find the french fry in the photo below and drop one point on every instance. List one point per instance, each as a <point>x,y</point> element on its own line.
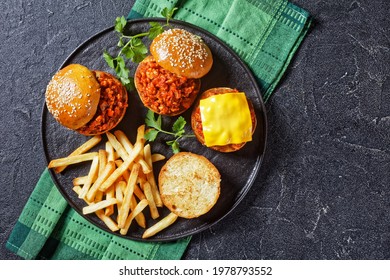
<point>110,193</point>
<point>152,205</point>
<point>150,177</point>
<point>145,167</point>
<point>110,150</point>
<point>125,142</point>
<point>118,175</point>
<point>98,196</point>
<point>77,190</point>
<point>108,170</point>
<point>122,138</point>
<point>85,147</point>
<point>126,174</point>
<point>102,160</point>
<point>71,160</point>
<point>79,180</point>
<point>157,157</point>
<point>117,146</point>
<point>126,204</point>
<point>102,165</point>
<point>139,193</point>
<point>91,176</point>
<point>107,220</point>
<point>119,193</point>
<point>111,155</point>
<point>140,218</point>
<point>121,169</point>
<point>160,225</point>
<point>100,214</point>
<point>141,180</point>
<point>156,193</point>
<point>141,133</point>
<point>93,207</point>
<point>131,183</point>
<point>124,153</point>
<point>137,210</point>
<point>116,155</point>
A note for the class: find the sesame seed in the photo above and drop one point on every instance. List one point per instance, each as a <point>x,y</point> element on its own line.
<point>186,45</point>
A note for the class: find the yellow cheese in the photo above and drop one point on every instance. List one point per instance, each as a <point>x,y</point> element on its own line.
<point>226,119</point>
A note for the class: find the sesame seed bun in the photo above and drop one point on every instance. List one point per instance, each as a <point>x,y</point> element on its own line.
<point>72,96</point>
<point>182,53</point>
<point>189,185</point>
<point>196,120</point>
<point>89,102</point>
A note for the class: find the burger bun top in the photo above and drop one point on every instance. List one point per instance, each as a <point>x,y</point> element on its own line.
<point>182,53</point>
<point>72,96</point>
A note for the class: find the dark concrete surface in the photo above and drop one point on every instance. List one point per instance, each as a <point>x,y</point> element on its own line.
<point>323,191</point>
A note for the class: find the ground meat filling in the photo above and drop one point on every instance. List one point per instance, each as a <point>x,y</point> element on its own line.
<point>162,91</point>
<point>112,103</point>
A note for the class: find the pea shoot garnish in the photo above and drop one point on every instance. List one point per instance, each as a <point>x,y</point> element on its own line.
<point>155,127</point>
<point>132,48</point>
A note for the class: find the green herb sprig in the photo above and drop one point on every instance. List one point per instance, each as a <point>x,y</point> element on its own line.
<point>155,125</point>
<point>132,48</point>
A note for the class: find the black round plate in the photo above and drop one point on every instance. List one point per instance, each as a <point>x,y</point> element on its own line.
<point>238,170</point>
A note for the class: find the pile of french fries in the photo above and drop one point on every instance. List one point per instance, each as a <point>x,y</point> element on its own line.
<point>120,183</point>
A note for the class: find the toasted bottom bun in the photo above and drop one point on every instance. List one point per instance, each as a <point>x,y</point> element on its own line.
<point>112,105</point>
<point>163,92</point>
<point>196,120</point>
<point>189,185</point>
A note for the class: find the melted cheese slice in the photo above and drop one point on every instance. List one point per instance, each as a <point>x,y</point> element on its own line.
<point>226,119</point>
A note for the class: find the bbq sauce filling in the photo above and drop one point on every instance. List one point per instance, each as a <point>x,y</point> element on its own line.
<point>112,104</point>
<point>164,92</point>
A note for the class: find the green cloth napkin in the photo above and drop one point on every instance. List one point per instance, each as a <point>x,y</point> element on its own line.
<point>49,228</point>
<point>264,33</point>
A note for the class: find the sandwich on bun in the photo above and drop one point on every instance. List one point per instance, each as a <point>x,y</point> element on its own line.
<point>223,119</point>
<point>89,102</point>
<point>168,80</point>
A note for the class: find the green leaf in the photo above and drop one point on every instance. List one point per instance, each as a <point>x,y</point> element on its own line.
<point>120,23</point>
<point>109,59</point>
<point>125,80</point>
<point>151,121</point>
<point>151,135</point>
<point>130,86</point>
<point>128,52</point>
<point>121,69</point>
<point>138,57</point>
<point>174,145</point>
<point>168,13</point>
<point>155,30</point>
<point>120,43</point>
<point>164,12</point>
<point>140,52</point>
<point>178,126</point>
<point>136,42</point>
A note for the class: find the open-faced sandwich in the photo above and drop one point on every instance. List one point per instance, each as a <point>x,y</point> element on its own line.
<point>168,80</point>
<point>223,119</point>
<point>89,102</point>
<point>189,185</point>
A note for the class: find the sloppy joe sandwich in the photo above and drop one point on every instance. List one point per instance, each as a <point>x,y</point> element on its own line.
<point>168,80</point>
<point>89,102</point>
<point>189,185</point>
<point>223,119</point>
